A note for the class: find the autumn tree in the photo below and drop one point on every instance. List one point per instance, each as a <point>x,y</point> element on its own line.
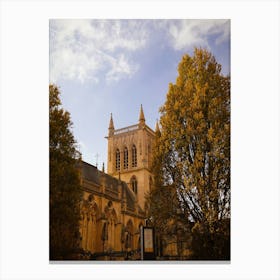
<point>65,191</point>
<point>162,200</point>
<point>192,156</point>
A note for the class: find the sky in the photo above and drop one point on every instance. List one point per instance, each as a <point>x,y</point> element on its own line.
<point>114,66</point>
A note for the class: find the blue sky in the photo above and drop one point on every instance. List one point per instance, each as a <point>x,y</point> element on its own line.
<point>113,66</point>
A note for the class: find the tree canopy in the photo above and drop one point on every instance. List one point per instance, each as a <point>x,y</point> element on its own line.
<point>192,152</point>
<point>65,190</point>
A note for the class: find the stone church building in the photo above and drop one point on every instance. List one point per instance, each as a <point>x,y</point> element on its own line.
<point>113,206</point>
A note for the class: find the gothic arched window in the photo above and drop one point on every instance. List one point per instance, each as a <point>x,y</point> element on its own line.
<point>118,160</point>
<point>129,235</point>
<point>134,156</point>
<point>89,211</point>
<point>133,182</point>
<point>125,158</point>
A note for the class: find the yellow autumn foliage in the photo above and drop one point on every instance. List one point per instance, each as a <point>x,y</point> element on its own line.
<point>193,150</point>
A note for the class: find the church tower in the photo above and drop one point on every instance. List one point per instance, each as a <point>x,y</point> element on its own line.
<point>130,156</point>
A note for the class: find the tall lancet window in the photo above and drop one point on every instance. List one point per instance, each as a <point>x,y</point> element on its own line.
<point>134,156</point>
<point>133,182</point>
<point>118,160</point>
<point>125,158</point>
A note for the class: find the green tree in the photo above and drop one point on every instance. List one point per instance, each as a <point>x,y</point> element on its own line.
<point>192,156</point>
<point>65,190</point>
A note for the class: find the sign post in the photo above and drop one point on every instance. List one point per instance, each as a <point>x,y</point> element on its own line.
<point>147,243</point>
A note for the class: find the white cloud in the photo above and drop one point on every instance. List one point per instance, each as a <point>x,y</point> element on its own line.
<point>121,67</point>
<point>103,49</point>
<point>83,49</point>
<point>189,33</point>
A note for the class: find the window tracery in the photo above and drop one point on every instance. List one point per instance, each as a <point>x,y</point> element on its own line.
<point>125,158</point>
<point>118,160</point>
<point>89,212</point>
<point>134,156</point>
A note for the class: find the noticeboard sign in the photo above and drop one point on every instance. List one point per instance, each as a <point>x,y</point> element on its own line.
<point>147,243</point>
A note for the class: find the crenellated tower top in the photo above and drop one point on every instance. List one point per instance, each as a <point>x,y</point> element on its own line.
<point>130,156</point>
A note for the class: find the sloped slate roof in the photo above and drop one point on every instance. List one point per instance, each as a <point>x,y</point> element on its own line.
<point>92,174</point>
<point>110,181</point>
<point>130,197</point>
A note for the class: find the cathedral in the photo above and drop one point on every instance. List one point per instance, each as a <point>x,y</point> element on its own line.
<point>113,207</point>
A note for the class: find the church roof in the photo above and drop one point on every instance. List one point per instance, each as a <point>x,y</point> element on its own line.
<point>92,174</point>
<point>130,197</point>
<point>110,181</point>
